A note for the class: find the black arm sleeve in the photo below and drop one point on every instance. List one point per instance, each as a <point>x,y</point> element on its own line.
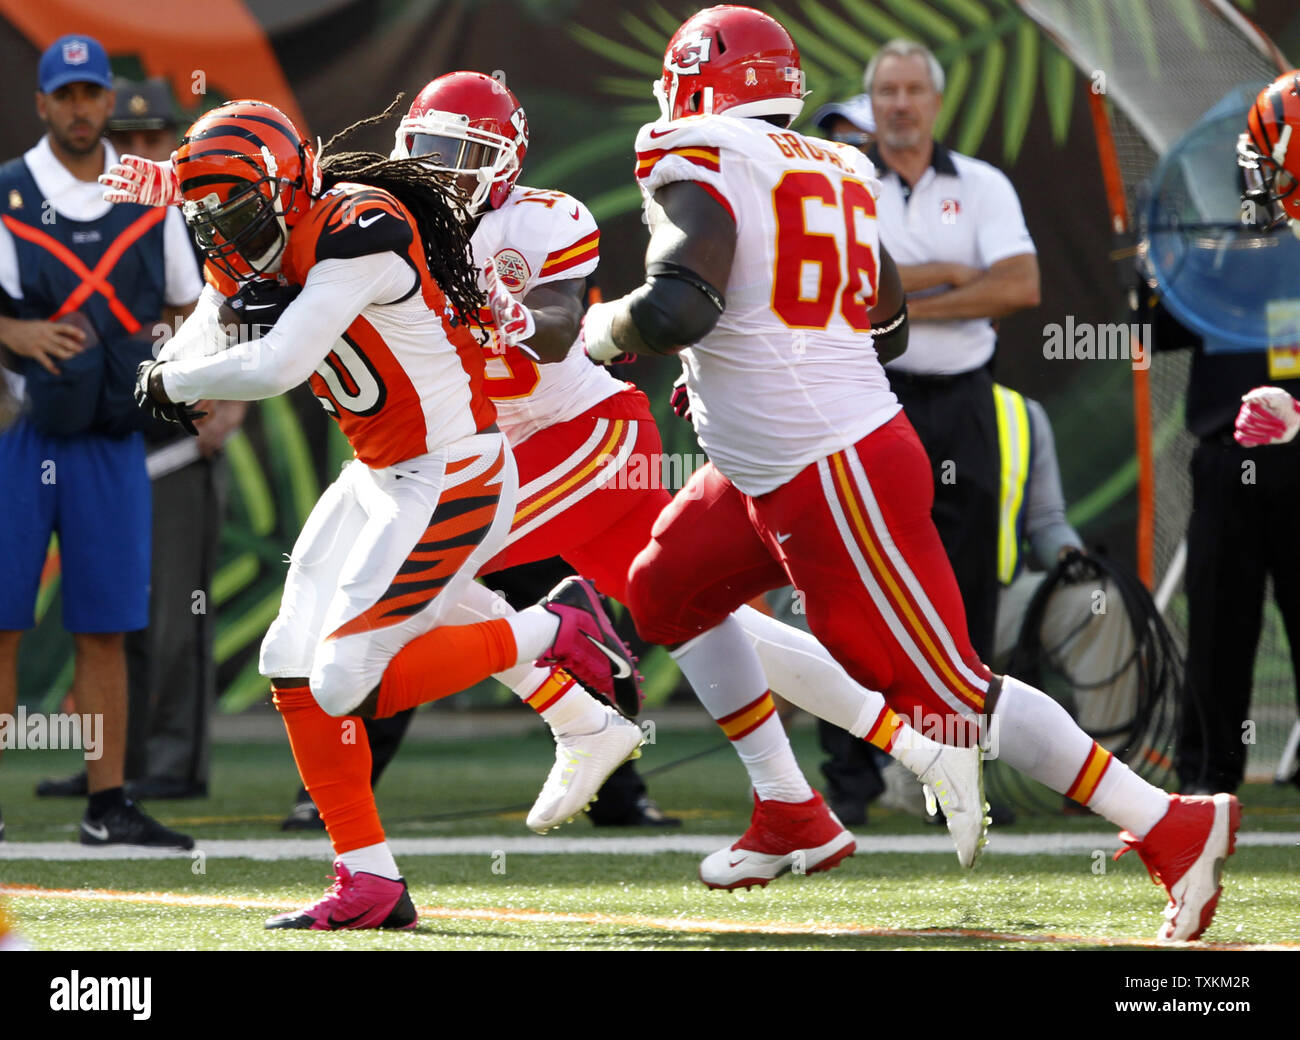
<point>891,336</point>
<point>675,308</point>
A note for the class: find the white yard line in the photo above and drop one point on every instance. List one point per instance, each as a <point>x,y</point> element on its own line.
<point>1056,844</point>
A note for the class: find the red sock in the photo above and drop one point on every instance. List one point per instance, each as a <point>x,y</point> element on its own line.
<point>445,661</point>
<point>333,757</point>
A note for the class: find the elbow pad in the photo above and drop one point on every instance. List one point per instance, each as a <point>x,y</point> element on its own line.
<point>891,337</point>
<point>675,308</point>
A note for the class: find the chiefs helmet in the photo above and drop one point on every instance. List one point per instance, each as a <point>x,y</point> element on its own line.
<point>734,60</point>
<point>1269,154</point>
<point>247,176</point>
<point>471,125</point>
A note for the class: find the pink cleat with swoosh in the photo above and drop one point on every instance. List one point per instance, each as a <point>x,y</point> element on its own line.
<point>354,901</point>
<point>588,648</point>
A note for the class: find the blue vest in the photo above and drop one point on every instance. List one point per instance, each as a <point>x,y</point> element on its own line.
<point>111,272</point>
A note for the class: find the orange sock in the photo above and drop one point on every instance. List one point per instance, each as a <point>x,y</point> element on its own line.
<point>445,661</point>
<point>333,757</point>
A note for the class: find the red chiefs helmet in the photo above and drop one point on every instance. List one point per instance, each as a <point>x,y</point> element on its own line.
<point>247,176</point>
<point>471,124</point>
<point>1269,154</point>
<point>734,60</point>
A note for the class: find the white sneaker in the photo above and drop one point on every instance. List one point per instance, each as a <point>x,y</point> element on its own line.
<point>582,764</point>
<point>955,781</point>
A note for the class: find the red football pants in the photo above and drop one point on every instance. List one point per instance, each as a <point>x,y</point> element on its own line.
<point>589,491</point>
<point>853,533</point>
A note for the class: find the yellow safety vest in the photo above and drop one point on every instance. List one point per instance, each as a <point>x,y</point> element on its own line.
<point>1014,452</point>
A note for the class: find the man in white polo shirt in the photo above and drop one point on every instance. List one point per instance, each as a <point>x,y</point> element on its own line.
<point>954,227</point>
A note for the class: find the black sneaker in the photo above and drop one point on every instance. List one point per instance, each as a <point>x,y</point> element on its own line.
<point>74,786</point>
<point>303,816</point>
<point>127,824</point>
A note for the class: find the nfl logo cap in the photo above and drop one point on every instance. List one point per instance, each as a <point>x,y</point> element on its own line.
<point>74,59</point>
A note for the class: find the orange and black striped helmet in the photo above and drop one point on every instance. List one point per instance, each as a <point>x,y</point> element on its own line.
<point>1269,154</point>
<point>247,176</point>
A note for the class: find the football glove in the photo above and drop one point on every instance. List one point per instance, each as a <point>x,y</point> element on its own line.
<point>597,335</point>
<point>680,399</point>
<point>1268,415</point>
<point>251,312</point>
<point>514,321</point>
<point>150,395</point>
<point>142,181</point>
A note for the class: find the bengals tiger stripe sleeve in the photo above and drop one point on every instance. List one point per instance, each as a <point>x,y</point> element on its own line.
<point>334,293</point>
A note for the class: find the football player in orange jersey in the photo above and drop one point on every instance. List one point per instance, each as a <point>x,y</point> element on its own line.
<point>584,443</point>
<point>765,274</point>
<point>374,258</point>
<point>1268,154</point>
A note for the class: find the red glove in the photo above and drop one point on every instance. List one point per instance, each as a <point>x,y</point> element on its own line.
<point>142,181</point>
<point>1268,415</point>
<point>680,399</point>
<point>513,320</point>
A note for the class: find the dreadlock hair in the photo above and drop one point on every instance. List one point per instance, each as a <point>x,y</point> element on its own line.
<point>432,199</point>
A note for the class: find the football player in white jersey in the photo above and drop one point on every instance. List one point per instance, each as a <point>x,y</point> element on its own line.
<point>765,274</point>
<point>579,437</point>
<point>373,263</point>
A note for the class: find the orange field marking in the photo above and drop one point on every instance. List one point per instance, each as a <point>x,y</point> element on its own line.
<point>668,924</point>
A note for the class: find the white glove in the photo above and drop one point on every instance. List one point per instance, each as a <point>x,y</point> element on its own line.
<point>1269,415</point>
<point>598,334</point>
<point>513,320</point>
<point>142,181</point>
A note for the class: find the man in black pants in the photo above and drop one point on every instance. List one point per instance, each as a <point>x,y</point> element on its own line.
<point>1242,529</point>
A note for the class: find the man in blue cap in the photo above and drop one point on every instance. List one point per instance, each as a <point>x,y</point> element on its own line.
<point>83,284</point>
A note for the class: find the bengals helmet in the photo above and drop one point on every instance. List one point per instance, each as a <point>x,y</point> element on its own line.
<point>247,176</point>
<point>734,60</point>
<point>473,126</point>
<point>1268,154</point>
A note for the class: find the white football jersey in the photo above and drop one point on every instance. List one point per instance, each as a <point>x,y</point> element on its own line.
<point>790,373</point>
<point>538,237</point>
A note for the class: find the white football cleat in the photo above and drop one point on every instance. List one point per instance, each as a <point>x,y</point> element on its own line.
<point>582,764</point>
<point>954,782</point>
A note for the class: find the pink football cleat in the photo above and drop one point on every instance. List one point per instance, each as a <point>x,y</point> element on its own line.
<point>354,901</point>
<point>589,649</point>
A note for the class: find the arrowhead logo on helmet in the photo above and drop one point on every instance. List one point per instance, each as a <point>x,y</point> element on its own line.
<point>685,55</point>
<point>732,60</point>
<point>247,176</point>
<point>472,126</point>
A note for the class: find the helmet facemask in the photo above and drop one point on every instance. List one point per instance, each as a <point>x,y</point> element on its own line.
<point>245,236</point>
<point>1269,187</point>
<point>448,143</point>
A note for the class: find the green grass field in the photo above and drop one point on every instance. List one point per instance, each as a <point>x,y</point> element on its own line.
<point>491,898</point>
